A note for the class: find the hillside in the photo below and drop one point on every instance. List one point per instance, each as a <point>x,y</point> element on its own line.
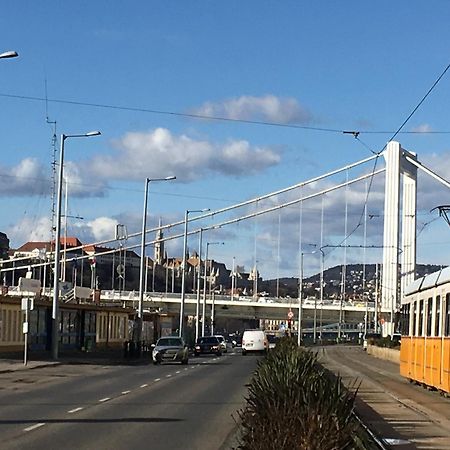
<point>332,281</point>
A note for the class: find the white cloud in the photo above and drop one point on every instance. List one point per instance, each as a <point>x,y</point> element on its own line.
<point>159,153</point>
<point>265,108</point>
<point>102,228</point>
<point>26,178</point>
<point>423,128</point>
<point>30,229</point>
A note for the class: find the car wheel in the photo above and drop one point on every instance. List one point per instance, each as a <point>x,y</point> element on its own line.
<point>155,363</point>
<point>244,352</point>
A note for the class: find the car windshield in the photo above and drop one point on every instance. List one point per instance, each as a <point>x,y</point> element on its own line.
<point>208,340</point>
<point>170,341</point>
<point>221,338</point>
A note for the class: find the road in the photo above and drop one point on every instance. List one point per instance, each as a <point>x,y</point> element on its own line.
<point>413,416</point>
<point>122,407</point>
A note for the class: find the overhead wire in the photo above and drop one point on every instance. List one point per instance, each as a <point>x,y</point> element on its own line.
<point>225,119</point>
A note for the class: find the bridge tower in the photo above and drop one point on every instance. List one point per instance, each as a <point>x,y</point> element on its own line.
<point>399,211</point>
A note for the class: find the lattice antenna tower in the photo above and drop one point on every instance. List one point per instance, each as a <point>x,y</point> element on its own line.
<point>53,165</point>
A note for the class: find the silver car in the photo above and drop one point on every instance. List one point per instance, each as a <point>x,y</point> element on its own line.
<point>170,349</point>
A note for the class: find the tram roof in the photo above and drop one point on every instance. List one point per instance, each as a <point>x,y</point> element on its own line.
<point>429,281</point>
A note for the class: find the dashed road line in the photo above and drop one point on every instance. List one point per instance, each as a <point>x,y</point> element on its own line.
<point>157,379</point>
<point>144,385</point>
<point>168,376</point>
<point>33,427</point>
<point>125,392</point>
<point>104,399</point>
<point>178,371</point>
<point>75,410</point>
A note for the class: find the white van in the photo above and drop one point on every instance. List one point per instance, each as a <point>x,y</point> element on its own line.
<point>254,341</point>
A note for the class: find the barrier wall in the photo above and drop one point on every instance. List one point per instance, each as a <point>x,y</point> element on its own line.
<point>388,354</point>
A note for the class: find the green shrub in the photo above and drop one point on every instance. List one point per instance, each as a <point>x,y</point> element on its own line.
<point>294,403</point>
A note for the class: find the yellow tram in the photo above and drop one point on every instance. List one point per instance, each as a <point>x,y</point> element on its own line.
<point>425,323</point>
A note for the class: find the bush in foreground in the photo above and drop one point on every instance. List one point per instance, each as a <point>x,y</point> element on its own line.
<point>294,403</point>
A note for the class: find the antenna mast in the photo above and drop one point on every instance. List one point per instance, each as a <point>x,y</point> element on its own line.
<point>54,164</point>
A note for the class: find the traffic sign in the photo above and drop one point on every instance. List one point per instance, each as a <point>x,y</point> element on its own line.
<point>290,315</point>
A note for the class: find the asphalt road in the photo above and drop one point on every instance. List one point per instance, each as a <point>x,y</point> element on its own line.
<point>122,407</point>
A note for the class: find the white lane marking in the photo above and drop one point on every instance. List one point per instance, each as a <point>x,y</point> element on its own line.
<point>185,368</point>
<point>178,371</point>
<point>125,392</point>
<point>157,379</point>
<point>33,427</point>
<point>193,367</point>
<point>144,385</point>
<point>168,376</point>
<point>104,399</point>
<point>75,410</point>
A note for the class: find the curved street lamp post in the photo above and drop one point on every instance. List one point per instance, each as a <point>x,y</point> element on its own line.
<point>57,272</point>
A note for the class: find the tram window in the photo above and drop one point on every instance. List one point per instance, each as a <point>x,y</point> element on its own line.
<point>447,314</point>
<point>412,320</point>
<point>438,315</point>
<point>429,312</point>
<point>421,318</point>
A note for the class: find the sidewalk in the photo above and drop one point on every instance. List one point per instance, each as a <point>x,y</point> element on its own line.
<point>14,362</point>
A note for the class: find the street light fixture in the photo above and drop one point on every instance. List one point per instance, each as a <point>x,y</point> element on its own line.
<point>183,272</point>
<point>300,294</point>
<point>141,272</point>
<point>204,286</point>
<point>199,267</point>
<point>9,54</point>
<point>55,319</point>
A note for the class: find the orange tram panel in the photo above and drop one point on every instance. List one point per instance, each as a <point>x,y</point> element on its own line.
<point>426,360</point>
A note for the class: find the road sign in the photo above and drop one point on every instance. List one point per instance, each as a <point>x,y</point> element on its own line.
<point>290,315</point>
<point>29,285</point>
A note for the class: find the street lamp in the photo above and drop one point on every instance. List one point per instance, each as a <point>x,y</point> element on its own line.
<point>55,321</point>
<point>141,272</point>
<point>204,286</point>
<point>9,54</point>
<point>183,271</point>
<point>199,266</point>
<point>300,295</point>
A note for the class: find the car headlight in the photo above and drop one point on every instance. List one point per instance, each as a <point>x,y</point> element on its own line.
<point>215,347</point>
<point>197,347</point>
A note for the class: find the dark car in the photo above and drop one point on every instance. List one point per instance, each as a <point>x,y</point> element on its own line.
<point>208,345</point>
<point>170,349</point>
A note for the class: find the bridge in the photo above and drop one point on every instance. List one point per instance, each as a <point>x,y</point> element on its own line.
<point>399,220</point>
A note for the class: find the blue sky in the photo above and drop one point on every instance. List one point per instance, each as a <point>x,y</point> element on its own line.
<point>332,65</point>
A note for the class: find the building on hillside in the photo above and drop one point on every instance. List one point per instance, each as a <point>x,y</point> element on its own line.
<point>4,246</point>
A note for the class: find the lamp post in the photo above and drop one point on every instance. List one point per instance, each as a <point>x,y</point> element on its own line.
<point>205,283</point>
<point>9,54</point>
<point>300,295</point>
<point>142,271</point>
<point>199,267</point>
<point>183,271</point>
<point>55,319</point>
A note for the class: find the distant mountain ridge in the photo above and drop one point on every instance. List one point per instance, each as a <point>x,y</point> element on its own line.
<point>332,281</point>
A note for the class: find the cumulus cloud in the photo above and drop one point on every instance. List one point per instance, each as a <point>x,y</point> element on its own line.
<point>160,153</point>
<point>30,229</point>
<point>102,228</point>
<point>265,108</point>
<point>26,178</point>
<point>423,128</point>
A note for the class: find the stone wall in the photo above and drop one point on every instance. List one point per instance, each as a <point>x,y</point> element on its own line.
<point>389,354</point>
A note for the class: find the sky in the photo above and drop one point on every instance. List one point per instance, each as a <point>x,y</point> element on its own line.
<point>288,78</point>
